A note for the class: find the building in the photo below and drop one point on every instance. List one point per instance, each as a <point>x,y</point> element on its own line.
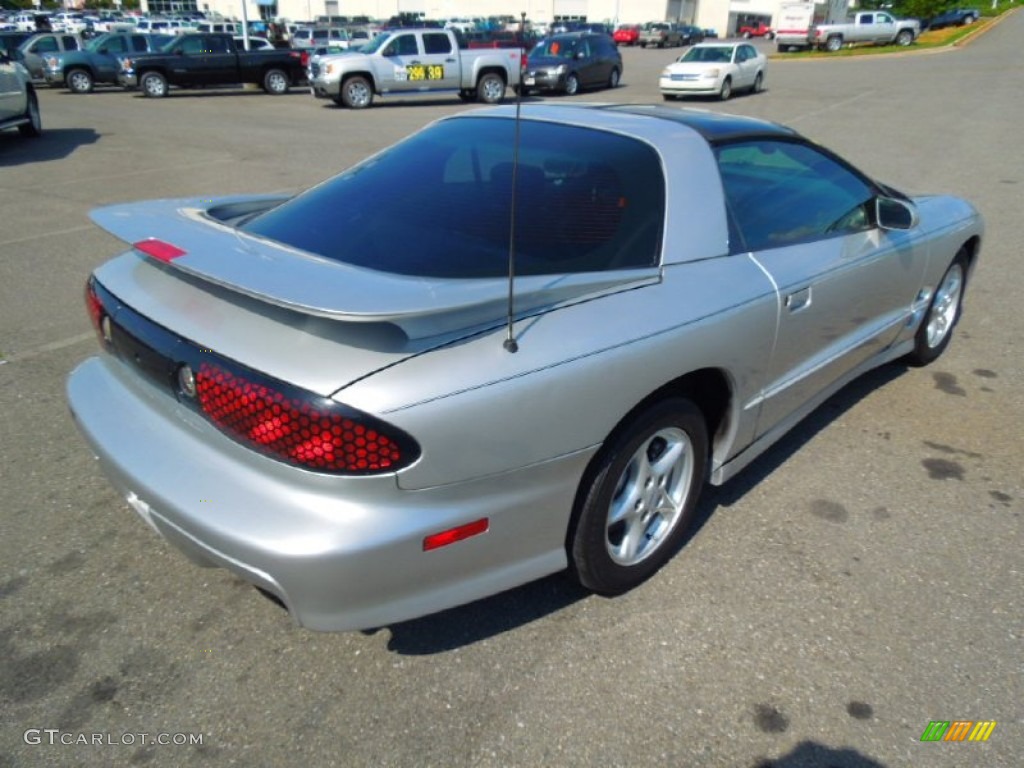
<point>724,16</point>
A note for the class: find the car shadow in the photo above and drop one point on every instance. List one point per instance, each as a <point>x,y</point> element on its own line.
<point>490,616</point>
<point>811,754</point>
<point>52,145</point>
<point>220,92</point>
<point>412,100</point>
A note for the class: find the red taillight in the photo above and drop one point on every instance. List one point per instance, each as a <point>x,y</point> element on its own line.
<point>158,249</point>
<point>291,428</point>
<point>304,58</point>
<point>452,535</point>
<point>93,305</point>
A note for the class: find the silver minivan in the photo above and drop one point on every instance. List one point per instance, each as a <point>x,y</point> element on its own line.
<point>321,37</point>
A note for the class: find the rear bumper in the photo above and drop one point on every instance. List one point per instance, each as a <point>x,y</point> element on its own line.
<point>340,553</point>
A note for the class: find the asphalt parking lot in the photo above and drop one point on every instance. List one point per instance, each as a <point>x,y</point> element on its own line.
<point>860,580</point>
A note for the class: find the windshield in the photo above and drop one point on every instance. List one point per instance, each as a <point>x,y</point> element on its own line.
<point>719,54</point>
<point>438,204</point>
<point>375,45</point>
<point>556,47</point>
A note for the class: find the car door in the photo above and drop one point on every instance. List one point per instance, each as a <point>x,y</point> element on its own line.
<point>10,90</point>
<point>106,59</point>
<point>440,59</point>
<point>885,28</point>
<point>845,287</point>
<point>746,66</point>
<point>220,62</point>
<point>391,68</point>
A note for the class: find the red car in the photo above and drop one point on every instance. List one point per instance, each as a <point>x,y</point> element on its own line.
<point>757,30</point>
<point>627,34</point>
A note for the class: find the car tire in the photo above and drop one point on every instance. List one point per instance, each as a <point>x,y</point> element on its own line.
<point>638,497</point>
<point>758,83</point>
<point>153,85</point>
<point>747,35</point>
<point>79,81</point>
<point>613,79</point>
<point>572,84</point>
<point>357,93</point>
<point>276,82</point>
<point>769,35</point>
<point>936,329</point>
<point>668,97</point>
<point>905,37</point>
<point>969,19</point>
<point>726,90</point>
<point>834,43</point>
<point>490,88</point>
<point>34,127</point>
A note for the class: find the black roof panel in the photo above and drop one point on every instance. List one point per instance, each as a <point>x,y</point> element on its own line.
<point>713,126</point>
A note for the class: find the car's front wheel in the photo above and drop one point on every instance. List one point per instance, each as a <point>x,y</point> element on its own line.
<point>79,81</point>
<point>572,84</point>
<point>613,79</point>
<point>726,90</point>
<point>34,126</point>
<point>943,313</point>
<point>638,497</point>
<point>758,83</point>
<point>356,93</point>
<point>153,85</point>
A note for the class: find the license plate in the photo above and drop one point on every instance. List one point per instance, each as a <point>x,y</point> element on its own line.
<point>529,81</point>
<point>425,72</point>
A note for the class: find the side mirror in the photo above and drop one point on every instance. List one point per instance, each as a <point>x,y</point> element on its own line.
<point>894,214</point>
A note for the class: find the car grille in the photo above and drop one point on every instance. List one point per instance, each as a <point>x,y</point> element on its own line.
<point>685,78</point>
<point>314,69</point>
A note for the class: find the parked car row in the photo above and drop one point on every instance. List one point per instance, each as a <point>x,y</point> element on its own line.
<point>401,61</point>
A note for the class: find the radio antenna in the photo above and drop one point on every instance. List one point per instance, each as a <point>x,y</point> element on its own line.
<point>510,344</point>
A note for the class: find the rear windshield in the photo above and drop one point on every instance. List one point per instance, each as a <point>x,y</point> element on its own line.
<point>438,204</point>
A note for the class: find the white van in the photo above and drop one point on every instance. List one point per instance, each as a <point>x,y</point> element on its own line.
<point>219,27</point>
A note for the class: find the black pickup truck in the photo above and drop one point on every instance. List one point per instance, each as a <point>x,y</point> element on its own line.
<point>198,60</point>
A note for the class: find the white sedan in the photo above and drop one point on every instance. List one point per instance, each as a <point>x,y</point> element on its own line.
<point>714,69</point>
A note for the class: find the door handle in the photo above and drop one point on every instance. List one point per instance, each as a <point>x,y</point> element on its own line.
<point>799,299</point>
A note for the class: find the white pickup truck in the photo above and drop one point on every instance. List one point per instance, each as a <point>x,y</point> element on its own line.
<point>875,27</point>
<point>411,61</point>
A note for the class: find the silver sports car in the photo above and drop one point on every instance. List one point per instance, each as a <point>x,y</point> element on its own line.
<point>498,349</point>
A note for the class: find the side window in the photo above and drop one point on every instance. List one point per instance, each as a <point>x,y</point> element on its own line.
<point>436,43</point>
<point>192,46</point>
<point>115,45</point>
<point>867,18</point>
<point>403,45</point>
<point>138,42</point>
<point>784,193</point>
<point>218,44</point>
<point>45,45</point>
<point>70,43</point>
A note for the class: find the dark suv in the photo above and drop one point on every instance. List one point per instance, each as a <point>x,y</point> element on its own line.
<point>572,62</point>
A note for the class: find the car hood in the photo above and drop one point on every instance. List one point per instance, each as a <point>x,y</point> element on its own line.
<point>206,245</point>
<point>695,67</point>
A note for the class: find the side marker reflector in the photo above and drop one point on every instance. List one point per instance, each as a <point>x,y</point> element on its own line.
<point>452,535</point>
<point>158,249</point>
